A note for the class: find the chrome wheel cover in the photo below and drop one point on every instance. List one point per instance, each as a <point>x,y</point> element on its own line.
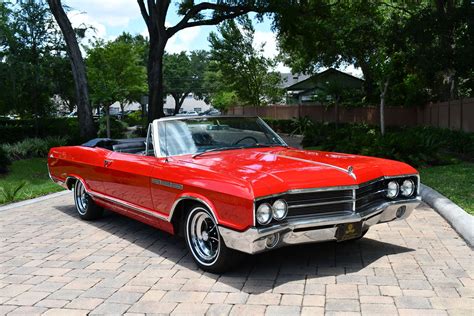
<point>81,198</point>
<point>203,236</point>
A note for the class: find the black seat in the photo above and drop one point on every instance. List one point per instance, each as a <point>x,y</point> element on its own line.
<point>129,147</point>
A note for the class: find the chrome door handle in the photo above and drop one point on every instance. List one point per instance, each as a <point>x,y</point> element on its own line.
<point>107,162</point>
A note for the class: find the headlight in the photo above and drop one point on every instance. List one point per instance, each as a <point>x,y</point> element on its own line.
<point>264,214</point>
<point>279,209</point>
<point>407,188</point>
<point>392,189</point>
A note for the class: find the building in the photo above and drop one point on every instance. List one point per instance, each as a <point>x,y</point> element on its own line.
<point>309,89</point>
<point>190,104</point>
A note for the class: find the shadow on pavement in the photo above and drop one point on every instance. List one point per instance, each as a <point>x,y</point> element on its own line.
<point>259,273</point>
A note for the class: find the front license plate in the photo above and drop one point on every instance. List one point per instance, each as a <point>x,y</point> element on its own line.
<point>348,231</point>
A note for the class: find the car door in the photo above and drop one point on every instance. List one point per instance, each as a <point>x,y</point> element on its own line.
<point>128,178</point>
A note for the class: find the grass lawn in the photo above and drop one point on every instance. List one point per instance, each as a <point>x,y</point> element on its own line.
<point>32,172</point>
<point>456,182</point>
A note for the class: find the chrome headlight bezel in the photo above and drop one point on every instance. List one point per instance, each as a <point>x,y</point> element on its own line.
<point>277,206</point>
<point>396,189</point>
<point>266,217</point>
<point>407,183</point>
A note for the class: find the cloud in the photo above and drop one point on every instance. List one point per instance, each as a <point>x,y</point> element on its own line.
<point>113,13</point>
<point>270,48</point>
<point>79,19</point>
<point>184,40</point>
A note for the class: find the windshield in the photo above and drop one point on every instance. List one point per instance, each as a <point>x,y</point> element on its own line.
<point>198,135</point>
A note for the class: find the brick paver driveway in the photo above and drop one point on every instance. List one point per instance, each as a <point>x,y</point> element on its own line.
<point>52,262</point>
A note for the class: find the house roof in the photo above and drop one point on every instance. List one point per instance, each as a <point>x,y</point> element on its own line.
<point>320,79</point>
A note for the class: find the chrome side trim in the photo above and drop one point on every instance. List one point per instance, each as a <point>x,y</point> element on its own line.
<point>188,197</point>
<point>127,205</point>
<point>168,184</point>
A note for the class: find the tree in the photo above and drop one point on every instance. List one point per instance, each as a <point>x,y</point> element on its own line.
<point>84,110</point>
<point>242,67</point>
<point>115,74</point>
<point>184,74</point>
<point>203,13</point>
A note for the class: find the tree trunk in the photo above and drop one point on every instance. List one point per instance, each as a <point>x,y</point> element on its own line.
<point>84,111</point>
<point>107,120</point>
<point>155,80</point>
<point>383,92</point>
<point>177,106</point>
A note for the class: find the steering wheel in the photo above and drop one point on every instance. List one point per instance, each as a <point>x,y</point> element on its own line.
<point>244,138</point>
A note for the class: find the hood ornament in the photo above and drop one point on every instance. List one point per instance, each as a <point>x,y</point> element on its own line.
<point>350,171</point>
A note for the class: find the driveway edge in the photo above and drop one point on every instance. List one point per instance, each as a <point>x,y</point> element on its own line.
<point>460,220</point>
<point>32,201</point>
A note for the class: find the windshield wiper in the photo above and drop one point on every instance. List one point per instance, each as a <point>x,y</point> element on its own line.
<point>217,149</point>
<point>238,147</point>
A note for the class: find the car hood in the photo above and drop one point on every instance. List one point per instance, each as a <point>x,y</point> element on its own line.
<point>271,170</point>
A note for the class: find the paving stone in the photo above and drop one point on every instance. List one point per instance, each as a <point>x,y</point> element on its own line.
<point>152,307</point>
<point>412,302</point>
<point>110,308</point>
<point>245,310</point>
<point>282,310</point>
<point>342,291</point>
<point>28,298</point>
<point>418,266</point>
<point>184,297</point>
<point>342,305</point>
<point>28,310</point>
<point>64,311</point>
<point>219,310</point>
<point>190,309</point>
<point>264,299</point>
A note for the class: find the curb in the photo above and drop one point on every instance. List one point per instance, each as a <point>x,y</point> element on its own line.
<point>32,201</point>
<point>460,220</point>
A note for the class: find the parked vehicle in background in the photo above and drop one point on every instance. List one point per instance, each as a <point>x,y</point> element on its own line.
<point>231,185</point>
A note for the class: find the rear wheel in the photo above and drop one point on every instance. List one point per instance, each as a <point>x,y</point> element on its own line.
<point>85,206</point>
<point>205,243</point>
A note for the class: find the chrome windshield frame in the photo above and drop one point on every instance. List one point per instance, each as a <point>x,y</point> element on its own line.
<point>156,130</point>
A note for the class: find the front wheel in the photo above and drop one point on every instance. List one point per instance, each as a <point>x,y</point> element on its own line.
<point>205,243</point>
<point>85,206</point>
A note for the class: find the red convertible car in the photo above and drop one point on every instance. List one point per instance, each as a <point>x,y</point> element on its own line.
<point>231,185</point>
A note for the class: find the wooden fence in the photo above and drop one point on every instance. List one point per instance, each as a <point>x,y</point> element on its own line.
<point>457,114</point>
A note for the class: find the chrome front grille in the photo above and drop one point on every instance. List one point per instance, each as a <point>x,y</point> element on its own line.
<point>335,201</point>
<point>323,202</point>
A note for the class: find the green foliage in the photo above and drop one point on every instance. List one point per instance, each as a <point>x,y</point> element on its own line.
<point>453,181</point>
<point>115,72</point>
<point>34,173</point>
<point>280,126</point>
<point>118,128</point>
<point>241,67</point>
<point>4,161</point>
<point>135,118</point>
<point>10,193</point>
<point>30,46</point>
<point>32,147</point>
<point>301,125</point>
<point>418,146</point>
<point>12,131</point>
<point>184,74</point>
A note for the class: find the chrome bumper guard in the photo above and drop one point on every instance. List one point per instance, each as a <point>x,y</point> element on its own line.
<point>312,229</point>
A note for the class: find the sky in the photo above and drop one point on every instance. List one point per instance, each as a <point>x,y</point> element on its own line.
<point>110,18</point>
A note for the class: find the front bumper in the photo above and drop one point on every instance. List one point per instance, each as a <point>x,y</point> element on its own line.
<point>312,229</point>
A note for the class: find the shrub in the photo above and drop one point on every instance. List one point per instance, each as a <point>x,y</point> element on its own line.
<point>280,126</point>
<point>417,146</point>
<point>12,131</point>
<point>135,118</point>
<point>118,128</point>
<point>4,161</point>
<point>32,147</point>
